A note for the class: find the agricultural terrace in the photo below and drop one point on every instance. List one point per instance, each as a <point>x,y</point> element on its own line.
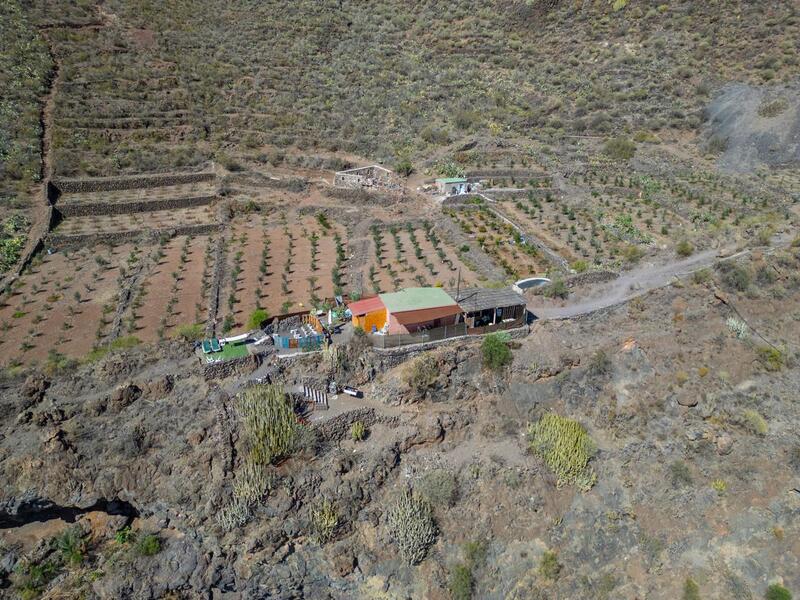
<point>281,265</point>
<point>174,291</point>
<point>411,256</point>
<point>164,192</point>
<point>141,221</point>
<point>501,241</point>
<point>64,302</point>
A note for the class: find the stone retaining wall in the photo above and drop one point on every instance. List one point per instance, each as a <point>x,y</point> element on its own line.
<point>338,427</point>
<point>234,367</point>
<point>120,237</point>
<point>391,357</point>
<point>39,242</point>
<point>87,209</point>
<point>588,278</point>
<point>524,193</point>
<point>498,173</point>
<point>107,184</point>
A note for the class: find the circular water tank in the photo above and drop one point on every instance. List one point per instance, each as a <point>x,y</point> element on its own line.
<point>530,283</point>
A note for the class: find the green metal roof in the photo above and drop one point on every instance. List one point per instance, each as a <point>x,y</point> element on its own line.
<point>416,299</point>
<point>452,180</point>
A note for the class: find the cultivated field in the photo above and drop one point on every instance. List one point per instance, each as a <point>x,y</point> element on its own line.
<point>280,264</point>
<point>411,256</point>
<point>65,303</point>
<point>144,221</point>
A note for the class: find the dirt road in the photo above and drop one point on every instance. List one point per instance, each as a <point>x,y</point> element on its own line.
<point>642,279</point>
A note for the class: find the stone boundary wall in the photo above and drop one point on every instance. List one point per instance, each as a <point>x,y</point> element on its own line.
<point>216,285</point>
<point>220,265</point>
<point>40,238</point>
<point>587,278</point>
<point>504,173</point>
<point>87,209</point>
<point>120,237</point>
<point>392,357</point>
<point>108,184</point>
<point>524,192</point>
<point>462,201</point>
<point>234,367</point>
<point>338,428</point>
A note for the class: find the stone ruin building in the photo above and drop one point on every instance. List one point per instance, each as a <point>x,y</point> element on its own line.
<point>373,176</point>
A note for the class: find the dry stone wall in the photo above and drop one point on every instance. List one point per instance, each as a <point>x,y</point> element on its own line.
<point>120,237</point>
<point>338,428</point>
<point>108,184</point>
<point>233,367</point>
<point>88,209</point>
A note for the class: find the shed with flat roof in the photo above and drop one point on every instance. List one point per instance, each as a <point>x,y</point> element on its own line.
<point>489,306</point>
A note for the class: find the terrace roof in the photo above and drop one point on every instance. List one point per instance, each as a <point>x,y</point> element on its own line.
<point>478,299</point>
<point>416,299</point>
<point>452,180</point>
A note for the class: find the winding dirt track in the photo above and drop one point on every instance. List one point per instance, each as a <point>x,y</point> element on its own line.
<point>639,281</point>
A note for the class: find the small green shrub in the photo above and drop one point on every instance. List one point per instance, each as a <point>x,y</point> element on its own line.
<point>600,363</point>
<point>679,474</point>
<point>684,248</point>
<point>404,167</point>
<point>439,488</point>
<point>556,289</point>
<point>421,373</point>
<point>124,536</point>
<point>461,582</point>
<point>148,545</point>
<point>495,350</point>
<point>620,148</point>
<point>358,431</point>
<point>701,276</point>
<point>755,422</point>
<point>257,318</point>
<point>549,567</point>
<point>735,277</point>
<point>580,266</point>
<point>191,333</point>
<point>777,592</point>
<point>691,591</point>
<point>566,448</point>
<point>771,358</point>
<point>71,546</point>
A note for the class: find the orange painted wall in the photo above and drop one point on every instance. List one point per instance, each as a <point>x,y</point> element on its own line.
<point>376,318</point>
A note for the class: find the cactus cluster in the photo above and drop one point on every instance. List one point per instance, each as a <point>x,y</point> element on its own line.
<point>269,422</point>
<point>324,520</point>
<point>411,525</point>
<point>566,449</point>
<point>738,327</point>
<point>234,515</point>
<point>252,483</point>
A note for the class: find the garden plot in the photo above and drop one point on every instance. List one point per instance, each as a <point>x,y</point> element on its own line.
<point>144,221</point>
<point>581,235</point>
<point>64,303</point>
<point>411,256</point>
<point>167,192</point>
<point>175,291</point>
<point>502,242</point>
<point>281,267</point>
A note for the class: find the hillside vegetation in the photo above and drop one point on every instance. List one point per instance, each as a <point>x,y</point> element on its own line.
<point>164,86</point>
